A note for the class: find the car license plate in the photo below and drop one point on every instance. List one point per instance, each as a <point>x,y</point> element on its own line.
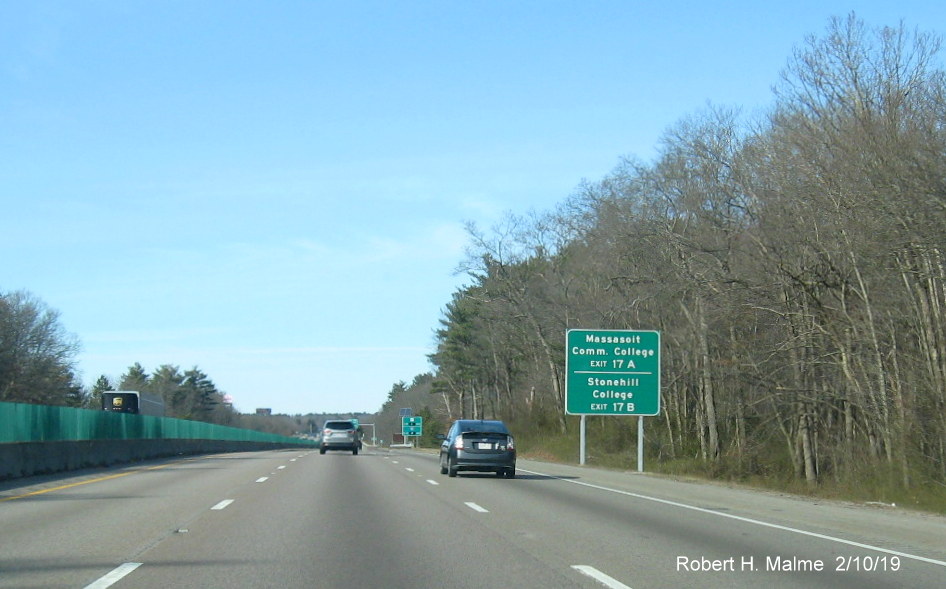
<point>484,445</point>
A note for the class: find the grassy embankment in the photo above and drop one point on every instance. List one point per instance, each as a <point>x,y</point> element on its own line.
<point>766,469</point>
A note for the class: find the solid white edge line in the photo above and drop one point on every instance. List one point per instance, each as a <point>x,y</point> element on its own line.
<point>599,576</point>
<point>222,505</point>
<point>114,576</point>
<point>476,507</point>
<point>749,520</point>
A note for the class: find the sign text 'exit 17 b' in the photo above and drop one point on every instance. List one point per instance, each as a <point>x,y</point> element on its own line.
<point>612,372</point>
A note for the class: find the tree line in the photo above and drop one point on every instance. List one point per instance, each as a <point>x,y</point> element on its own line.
<point>187,395</point>
<point>37,365</point>
<point>794,263</point>
<point>36,353</point>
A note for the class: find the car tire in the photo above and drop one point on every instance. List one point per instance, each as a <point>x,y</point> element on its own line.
<point>443,469</point>
<point>354,451</point>
<point>510,473</point>
<point>451,469</point>
<point>321,450</point>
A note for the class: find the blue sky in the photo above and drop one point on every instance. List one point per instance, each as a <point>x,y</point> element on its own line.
<point>275,192</point>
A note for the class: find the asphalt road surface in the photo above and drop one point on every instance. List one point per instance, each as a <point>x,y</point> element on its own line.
<point>388,519</point>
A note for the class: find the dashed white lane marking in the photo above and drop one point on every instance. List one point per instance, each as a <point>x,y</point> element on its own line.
<point>280,467</point>
<point>222,505</point>
<point>433,482</point>
<point>113,577</point>
<point>476,507</point>
<point>409,469</point>
<point>597,575</point>
<point>262,479</point>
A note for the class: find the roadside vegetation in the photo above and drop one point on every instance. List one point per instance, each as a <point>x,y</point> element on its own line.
<point>794,263</point>
<point>37,357</point>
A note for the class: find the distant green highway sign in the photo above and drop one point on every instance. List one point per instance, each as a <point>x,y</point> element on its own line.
<point>612,372</point>
<point>412,426</point>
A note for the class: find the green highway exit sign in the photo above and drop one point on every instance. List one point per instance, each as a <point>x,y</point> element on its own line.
<point>412,426</point>
<point>612,372</point>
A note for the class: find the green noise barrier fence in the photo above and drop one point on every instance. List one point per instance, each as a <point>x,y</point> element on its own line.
<point>22,422</point>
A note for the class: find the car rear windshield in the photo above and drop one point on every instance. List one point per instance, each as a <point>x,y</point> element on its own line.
<point>492,427</point>
<point>339,425</point>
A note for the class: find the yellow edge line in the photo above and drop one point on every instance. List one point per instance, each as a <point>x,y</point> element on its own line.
<point>90,481</point>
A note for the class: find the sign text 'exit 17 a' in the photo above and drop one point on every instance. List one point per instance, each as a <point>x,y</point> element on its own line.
<point>612,372</point>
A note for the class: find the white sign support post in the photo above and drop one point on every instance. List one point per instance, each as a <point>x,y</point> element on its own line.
<point>640,443</point>
<point>581,442</point>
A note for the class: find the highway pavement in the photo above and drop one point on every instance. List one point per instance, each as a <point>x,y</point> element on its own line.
<point>389,519</point>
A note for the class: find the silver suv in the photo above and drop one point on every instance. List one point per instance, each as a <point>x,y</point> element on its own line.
<point>340,435</point>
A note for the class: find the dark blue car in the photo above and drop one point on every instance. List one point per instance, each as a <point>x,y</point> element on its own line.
<point>478,445</point>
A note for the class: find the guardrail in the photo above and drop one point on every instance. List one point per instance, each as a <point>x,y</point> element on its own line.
<point>37,439</point>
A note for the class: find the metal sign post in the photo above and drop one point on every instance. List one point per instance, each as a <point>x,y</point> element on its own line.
<point>581,441</point>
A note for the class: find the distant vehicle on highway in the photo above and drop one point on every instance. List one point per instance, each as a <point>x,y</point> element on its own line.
<point>478,445</point>
<point>133,402</point>
<point>340,435</point>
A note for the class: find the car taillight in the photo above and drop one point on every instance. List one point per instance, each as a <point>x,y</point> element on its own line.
<point>510,443</point>
<point>458,443</point>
